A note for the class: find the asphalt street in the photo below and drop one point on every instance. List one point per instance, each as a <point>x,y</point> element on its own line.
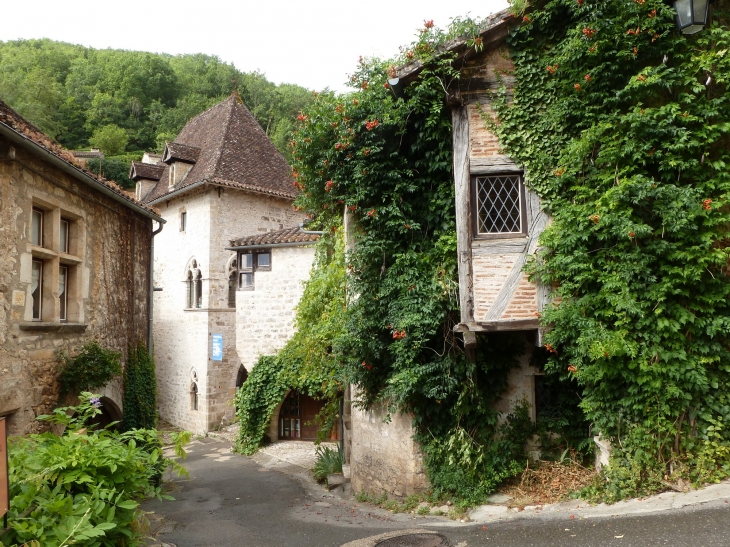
<point>232,500</point>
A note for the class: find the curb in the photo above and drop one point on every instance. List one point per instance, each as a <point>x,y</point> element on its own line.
<point>581,509</point>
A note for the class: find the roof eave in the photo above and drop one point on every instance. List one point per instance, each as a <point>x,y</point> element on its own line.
<point>269,245</point>
<point>12,135</point>
<point>495,31</point>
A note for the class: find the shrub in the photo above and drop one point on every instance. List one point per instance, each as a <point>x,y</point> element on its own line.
<point>328,461</point>
<point>92,368</point>
<point>81,488</point>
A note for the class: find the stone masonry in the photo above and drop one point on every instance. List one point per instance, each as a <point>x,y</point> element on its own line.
<point>108,267</point>
<point>183,336</point>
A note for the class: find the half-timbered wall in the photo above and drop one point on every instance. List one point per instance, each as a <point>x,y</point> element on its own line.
<point>495,292</point>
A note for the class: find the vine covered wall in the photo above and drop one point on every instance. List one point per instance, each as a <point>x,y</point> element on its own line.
<point>623,126</point>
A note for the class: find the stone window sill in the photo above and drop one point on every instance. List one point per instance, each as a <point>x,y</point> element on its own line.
<point>42,326</point>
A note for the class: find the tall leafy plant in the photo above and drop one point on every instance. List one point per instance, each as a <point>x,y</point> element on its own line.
<point>140,390</point>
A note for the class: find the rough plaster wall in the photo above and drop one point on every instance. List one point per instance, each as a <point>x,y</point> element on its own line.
<point>265,315</point>
<point>384,458</point>
<point>521,385</point>
<point>236,214</point>
<point>112,285</point>
<point>183,339</point>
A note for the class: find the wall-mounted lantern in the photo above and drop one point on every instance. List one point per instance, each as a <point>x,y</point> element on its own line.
<point>692,15</point>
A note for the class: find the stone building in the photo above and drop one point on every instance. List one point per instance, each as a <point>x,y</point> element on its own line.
<point>272,269</point>
<point>499,220</point>
<point>221,178</point>
<point>75,266</point>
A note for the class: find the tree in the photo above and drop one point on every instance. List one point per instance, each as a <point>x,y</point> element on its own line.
<point>110,139</point>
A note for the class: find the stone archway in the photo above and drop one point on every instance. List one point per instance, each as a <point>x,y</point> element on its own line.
<point>110,413</point>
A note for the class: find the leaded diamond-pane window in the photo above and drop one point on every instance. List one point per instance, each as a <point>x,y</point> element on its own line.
<point>498,200</point>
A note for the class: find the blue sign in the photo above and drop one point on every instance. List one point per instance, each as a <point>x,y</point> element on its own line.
<point>217,347</point>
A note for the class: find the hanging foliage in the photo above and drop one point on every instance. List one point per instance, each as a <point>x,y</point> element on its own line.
<point>93,368</point>
<point>386,161</point>
<point>623,125</point>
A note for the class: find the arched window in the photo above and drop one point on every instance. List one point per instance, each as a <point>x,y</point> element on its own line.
<point>194,396</point>
<point>194,390</point>
<point>232,288</point>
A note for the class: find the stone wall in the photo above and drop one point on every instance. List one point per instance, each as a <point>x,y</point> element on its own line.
<point>384,458</point>
<point>183,337</point>
<point>265,315</point>
<point>108,264</point>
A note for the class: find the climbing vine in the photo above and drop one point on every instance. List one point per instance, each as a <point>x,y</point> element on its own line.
<point>623,125</point>
<point>383,157</point>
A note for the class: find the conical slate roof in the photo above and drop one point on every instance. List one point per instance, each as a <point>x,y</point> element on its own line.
<point>233,151</point>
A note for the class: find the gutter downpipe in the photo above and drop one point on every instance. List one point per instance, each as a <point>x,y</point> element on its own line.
<point>152,288</point>
<point>301,229</point>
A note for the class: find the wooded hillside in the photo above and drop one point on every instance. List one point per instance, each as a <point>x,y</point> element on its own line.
<point>78,94</point>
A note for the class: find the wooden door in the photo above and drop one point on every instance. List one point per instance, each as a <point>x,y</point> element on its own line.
<point>297,418</point>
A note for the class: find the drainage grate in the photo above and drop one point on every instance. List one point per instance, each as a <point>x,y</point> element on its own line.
<point>415,540</point>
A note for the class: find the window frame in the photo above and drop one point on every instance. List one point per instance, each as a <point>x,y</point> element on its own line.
<point>40,292</point>
<point>41,224</point>
<point>63,296</point>
<point>255,267</point>
<point>476,234</point>
<point>64,235</point>
<point>183,221</point>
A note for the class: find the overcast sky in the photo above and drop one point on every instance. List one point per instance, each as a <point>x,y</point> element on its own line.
<point>313,43</point>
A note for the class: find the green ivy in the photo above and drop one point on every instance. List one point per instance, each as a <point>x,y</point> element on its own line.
<point>623,125</point>
<point>385,158</point>
<point>93,368</point>
<point>140,390</point>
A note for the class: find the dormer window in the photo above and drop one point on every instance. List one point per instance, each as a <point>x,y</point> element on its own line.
<point>181,158</point>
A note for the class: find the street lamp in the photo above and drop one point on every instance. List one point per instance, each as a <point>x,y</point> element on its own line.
<point>691,15</point>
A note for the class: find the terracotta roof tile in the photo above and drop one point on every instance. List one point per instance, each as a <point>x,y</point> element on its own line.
<point>23,127</point>
<point>234,152</point>
<point>288,235</point>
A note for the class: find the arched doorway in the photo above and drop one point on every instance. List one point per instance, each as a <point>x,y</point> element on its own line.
<point>241,377</point>
<point>110,412</point>
<point>297,417</point>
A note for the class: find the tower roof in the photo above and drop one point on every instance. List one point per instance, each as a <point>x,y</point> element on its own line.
<point>227,147</point>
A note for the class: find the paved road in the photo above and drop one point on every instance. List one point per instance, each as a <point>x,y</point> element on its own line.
<point>231,500</point>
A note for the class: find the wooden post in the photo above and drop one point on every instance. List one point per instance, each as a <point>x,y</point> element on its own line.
<point>462,182</point>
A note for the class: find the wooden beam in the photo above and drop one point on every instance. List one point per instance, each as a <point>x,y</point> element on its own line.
<point>537,220</point>
<point>499,326</point>
<point>460,122</point>
<point>493,164</point>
